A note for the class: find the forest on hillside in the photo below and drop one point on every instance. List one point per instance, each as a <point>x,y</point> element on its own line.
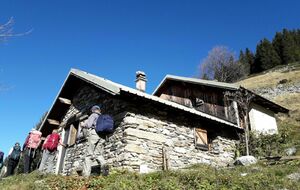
<point>283,49</point>
<point>222,65</point>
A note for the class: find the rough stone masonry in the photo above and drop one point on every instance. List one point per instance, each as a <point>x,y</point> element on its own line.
<point>142,130</point>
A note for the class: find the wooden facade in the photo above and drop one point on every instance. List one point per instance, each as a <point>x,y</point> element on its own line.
<point>207,99</point>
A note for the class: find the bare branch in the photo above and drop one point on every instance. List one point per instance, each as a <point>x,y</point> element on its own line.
<point>243,98</point>
<point>6,30</point>
<point>220,64</point>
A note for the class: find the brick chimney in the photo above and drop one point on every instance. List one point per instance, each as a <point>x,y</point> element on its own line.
<point>140,81</point>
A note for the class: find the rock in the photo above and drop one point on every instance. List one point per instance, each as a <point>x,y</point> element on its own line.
<point>294,176</point>
<point>245,160</point>
<point>290,151</point>
<point>283,81</point>
<point>135,148</point>
<point>180,150</point>
<point>145,135</point>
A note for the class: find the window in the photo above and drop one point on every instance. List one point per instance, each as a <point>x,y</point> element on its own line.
<point>72,130</point>
<point>201,141</point>
<point>72,135</point>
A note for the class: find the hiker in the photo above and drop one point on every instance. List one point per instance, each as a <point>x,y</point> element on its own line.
<point>13,159</point>
<point>50,149</point>
<point>1,159</point>
<point>88,127</point>
<point>89,124</point>
<point>4,168</point>
<point>30,146</point>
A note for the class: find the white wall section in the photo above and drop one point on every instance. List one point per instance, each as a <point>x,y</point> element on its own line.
<point>262,120</point>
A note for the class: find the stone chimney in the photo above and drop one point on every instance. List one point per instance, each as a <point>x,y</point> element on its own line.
<point>140,81</point>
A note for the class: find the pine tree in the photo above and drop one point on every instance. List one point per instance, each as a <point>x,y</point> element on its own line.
<point>266,57</point>
<point>277,44</point>
<point>288,47</point>
<point>250,60</point>
<point>247,60</point>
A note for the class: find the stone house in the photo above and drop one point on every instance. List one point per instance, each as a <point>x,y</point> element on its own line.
<point>152,132</point>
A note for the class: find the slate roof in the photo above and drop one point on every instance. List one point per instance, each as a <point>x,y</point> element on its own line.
<point>116,89</point>
<point>211,83</point>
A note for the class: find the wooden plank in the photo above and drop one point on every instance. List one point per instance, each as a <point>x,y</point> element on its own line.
<point>73,134</point>
<point>202,135</point>
<point>53,122</point>
<point>65,101</point>
<point>290,158</point>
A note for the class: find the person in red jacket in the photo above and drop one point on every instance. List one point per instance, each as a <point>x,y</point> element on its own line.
<point>50,149</point>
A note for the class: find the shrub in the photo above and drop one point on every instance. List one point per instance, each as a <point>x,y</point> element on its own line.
<point>264,145</point>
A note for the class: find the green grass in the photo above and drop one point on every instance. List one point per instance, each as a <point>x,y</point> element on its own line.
<point>196,177</point>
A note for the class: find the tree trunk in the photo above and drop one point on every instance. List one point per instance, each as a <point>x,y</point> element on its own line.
<point>246,133</point>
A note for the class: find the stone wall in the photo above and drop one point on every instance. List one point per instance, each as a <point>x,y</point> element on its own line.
<point>147,135</point>
<point>76,156</point>
<point>142,130</point>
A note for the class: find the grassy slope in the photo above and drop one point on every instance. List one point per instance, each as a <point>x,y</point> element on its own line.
<point>272,77</point>
<point>198,177</point>
<point>290,100</point>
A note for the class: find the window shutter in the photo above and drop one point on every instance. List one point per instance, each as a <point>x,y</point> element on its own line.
<point>73,134</point>
<point>201,139</point>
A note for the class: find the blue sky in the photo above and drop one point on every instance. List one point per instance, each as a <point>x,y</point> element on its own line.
<point>113,39</point>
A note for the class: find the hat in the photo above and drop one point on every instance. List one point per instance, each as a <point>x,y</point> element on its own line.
<point>94,108</point>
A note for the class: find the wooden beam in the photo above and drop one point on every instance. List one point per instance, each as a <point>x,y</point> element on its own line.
<point>65,101</point>
<point>53,122</point>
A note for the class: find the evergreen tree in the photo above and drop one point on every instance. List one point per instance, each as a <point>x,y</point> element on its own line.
<point>247,60</point>
<point>242,58</point>
<point>250,60</point>
<point>277,44</point>
<point>289,47</point>
<point>266,56</point>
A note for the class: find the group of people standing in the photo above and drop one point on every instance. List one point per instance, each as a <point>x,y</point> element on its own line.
<point>93,127</point>
<point>28,152</point>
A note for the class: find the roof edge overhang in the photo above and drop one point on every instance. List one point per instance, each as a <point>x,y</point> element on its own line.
<point>115,89</point>
<point>215,84</point>
<point>85,77</point>
<point>104,86</point>
<point>53,103</point>
<point>271,105</point>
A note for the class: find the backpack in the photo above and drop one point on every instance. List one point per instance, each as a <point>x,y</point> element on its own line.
<point>16,153</point>
<point>34,139</point>
<point>104,124</point>
<point>52,142</point>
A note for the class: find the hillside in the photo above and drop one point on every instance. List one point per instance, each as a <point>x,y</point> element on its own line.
<point>281,85</point>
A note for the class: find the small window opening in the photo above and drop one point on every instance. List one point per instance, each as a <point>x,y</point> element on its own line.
<point>201,141</point>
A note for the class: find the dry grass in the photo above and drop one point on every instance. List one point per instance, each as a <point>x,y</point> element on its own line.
<point>272,77</point>
<point>289,100</point>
